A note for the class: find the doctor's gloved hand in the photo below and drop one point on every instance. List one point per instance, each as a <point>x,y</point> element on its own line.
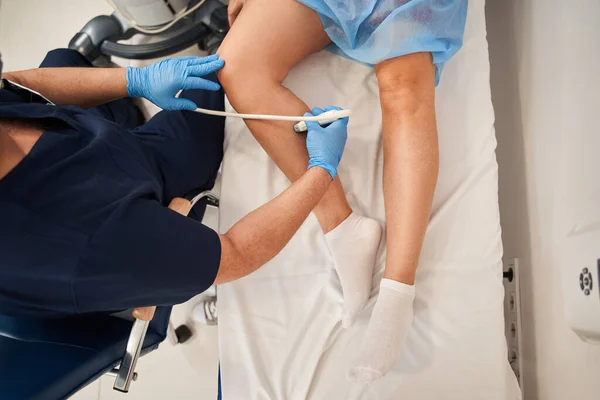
<point>160,82</point>
<point>326,144</point>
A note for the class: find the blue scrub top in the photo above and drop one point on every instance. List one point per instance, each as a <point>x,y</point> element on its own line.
<point>83,222</point>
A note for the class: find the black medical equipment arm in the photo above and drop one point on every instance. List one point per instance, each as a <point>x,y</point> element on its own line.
<point>206,27</point>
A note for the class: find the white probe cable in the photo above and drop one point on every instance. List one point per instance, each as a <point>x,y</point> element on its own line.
<point>157,30</point>
<point>323,119</point>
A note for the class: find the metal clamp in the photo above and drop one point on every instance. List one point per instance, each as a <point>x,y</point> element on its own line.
<point>211,199</point>
<point>126,372</point>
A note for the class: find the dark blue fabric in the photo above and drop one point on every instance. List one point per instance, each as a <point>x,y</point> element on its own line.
<point>84,227</point>
<point>53,358</point>
<point>219,392</point>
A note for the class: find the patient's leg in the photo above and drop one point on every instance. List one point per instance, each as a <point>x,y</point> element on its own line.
<point>268,39</point>
<point>410,171</point>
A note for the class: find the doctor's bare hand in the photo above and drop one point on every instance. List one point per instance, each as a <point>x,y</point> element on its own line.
<point>160,82</point>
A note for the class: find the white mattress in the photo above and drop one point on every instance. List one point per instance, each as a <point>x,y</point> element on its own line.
<point>280,335</point>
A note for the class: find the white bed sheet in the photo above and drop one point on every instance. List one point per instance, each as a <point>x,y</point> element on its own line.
<point>280,335</point>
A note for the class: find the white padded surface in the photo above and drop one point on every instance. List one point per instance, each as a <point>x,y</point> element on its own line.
<point>279,329</point>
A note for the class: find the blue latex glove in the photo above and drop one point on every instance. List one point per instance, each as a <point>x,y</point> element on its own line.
<point>160,82</point>
<point>326,144</point>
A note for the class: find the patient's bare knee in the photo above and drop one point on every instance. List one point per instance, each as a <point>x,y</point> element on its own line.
<point>244,72</point>
<point>247,88</point>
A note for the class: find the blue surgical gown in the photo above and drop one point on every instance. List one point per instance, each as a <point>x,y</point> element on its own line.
<point>371,31</point>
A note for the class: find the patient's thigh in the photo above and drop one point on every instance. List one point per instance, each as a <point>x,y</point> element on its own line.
<point>271,37</point>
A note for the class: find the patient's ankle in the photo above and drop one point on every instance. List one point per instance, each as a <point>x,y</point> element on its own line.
<point>333,208</point>
<point>329,217</point>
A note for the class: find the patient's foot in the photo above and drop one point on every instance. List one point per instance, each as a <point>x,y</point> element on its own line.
<point>354,244</point>
<point>391,319</point>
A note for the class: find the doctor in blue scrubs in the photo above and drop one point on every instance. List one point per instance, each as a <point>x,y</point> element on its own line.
<point>85,185</point>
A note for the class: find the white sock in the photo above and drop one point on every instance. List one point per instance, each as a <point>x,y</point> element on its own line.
<point>354,244</point>
<point>391,319</point>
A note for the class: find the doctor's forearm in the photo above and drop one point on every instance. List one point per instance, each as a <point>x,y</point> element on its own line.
<point>83,87</point>
<point>262,234</point>
<point>411,160</point>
